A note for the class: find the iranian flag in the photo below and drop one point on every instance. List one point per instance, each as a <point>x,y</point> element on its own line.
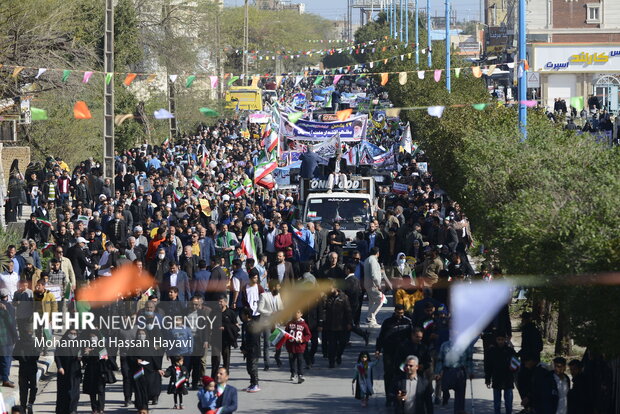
<point>196,182</point>
<point>247,244</point>
<point>238,191</point>
<point>264,169</point>
<point>47,246</point>
<point>270,142</point>
<point>267,182</point>
<point>180,382</point>
<point>177,195</point>
<point>45,222</point>
<point>166,142</point>
<point>248,186</point>
<point>278,337</point>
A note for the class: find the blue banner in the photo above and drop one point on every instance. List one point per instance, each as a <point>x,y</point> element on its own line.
<point>353,129</point>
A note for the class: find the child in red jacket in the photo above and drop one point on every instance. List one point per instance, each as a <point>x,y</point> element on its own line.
<point>296,346</point>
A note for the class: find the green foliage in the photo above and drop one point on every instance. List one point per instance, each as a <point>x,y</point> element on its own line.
<point>545,206</point>
<point>284,30</point>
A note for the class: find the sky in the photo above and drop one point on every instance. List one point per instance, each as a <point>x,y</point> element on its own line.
<point>336,9</point>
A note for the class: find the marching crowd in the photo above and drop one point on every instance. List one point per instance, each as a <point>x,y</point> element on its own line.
<point>171,210</point>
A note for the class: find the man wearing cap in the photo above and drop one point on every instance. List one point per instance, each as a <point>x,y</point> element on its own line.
<point>80,261</point>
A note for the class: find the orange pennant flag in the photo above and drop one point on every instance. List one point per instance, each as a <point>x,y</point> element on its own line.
<point>80,110</point>
<point>151,78</point>
<point>526,65</point>
<point>125,280</point>
<point>344,114</point>
<point>476,71</point>
<point>130,77</point>
<point>384,79</point>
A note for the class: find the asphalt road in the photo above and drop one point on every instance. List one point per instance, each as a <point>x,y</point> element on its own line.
<point>323,391</point>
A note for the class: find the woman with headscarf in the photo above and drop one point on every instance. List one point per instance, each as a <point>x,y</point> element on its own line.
<point>69,375</point>
<point>399,270</point>
<point>144,371</point>
<point>97,373</point>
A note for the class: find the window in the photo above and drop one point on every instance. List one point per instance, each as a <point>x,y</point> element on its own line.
<point>593,13</point>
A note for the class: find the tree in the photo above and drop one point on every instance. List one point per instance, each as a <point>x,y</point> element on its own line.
<point>272,33</point>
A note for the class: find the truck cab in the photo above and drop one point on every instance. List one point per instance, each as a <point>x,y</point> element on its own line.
<point>353,207</point>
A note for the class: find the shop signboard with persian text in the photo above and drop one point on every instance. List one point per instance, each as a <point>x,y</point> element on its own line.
<point>576,58</point>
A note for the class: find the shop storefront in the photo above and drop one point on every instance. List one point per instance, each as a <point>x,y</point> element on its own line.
<point>578,69</point>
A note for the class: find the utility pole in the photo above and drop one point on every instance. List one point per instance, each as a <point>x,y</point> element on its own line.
<point>108,93</point>
<point>448,45</point>
<point>417,34</point>
<point>219,52</point>
<point>172,122</point>
<point>246,38</point>
<point>523,73</point>
<point>400,29</point>
<point>428,32</point>
<point>407,21</point>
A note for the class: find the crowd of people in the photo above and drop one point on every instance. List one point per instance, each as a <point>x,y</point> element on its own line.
<point>172,211</point>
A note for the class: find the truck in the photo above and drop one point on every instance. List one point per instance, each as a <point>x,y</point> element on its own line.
<point>353,207</point>
<point>246,98</point>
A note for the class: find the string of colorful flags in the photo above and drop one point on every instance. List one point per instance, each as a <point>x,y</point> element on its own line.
<point>359,48</point>
<point>86,76</point>
<point>81,111</point>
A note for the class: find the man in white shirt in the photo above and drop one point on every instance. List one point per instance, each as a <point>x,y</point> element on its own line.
<point>268,304</point>
<point>372,284</point>
<point>9,279</point>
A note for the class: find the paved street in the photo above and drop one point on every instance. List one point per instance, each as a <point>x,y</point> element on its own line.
<point>324,390</point>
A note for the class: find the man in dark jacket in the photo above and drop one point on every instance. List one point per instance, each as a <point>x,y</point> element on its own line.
<point>413,393</point>
<point>531,338</point>
<point>117,229</point>
<point>80,261</point>
<point>353,290</point>
<point>499,372</point>
<point>230,333</point>
<point>414,346</point>
<point>394,331</point>
<point>309,162</point>
<point>578,398</point>
<point>337,320</point>
<point>250,348</point>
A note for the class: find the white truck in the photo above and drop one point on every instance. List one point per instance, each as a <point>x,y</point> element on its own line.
<point>352,206</point>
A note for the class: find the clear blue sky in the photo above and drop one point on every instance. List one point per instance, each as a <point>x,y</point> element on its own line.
<point>336,9</point>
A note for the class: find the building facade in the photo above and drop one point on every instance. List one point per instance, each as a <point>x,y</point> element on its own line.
<point>575,49</point>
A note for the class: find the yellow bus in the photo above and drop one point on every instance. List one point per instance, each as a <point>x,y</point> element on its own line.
<point>244,98</point>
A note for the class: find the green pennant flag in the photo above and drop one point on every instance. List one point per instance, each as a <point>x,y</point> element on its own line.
<point>480,106</point>
<point>208,112</point>
<point>577,103</point>
<point>318,80</point>
<point>233,80</point>
<point>190,80</point>
<point>295,116</point>
<point>457,72</point>
<point>108,78</point>
<point>328,103</point>
<point>38,114</point>
<point>65,74</point>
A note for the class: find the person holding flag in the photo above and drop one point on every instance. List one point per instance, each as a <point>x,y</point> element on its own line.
<point>300,335</point>
<point>178,375</point>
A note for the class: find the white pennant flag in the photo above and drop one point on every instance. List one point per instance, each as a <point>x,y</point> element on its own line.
<point>298,79</point>
<point>173,78</point>
<point>436,111</point>
<point>420,74</point>
<point>473,307</point>
<point>402,57</point>
<point>41,72</point>
<point>242,76</point>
